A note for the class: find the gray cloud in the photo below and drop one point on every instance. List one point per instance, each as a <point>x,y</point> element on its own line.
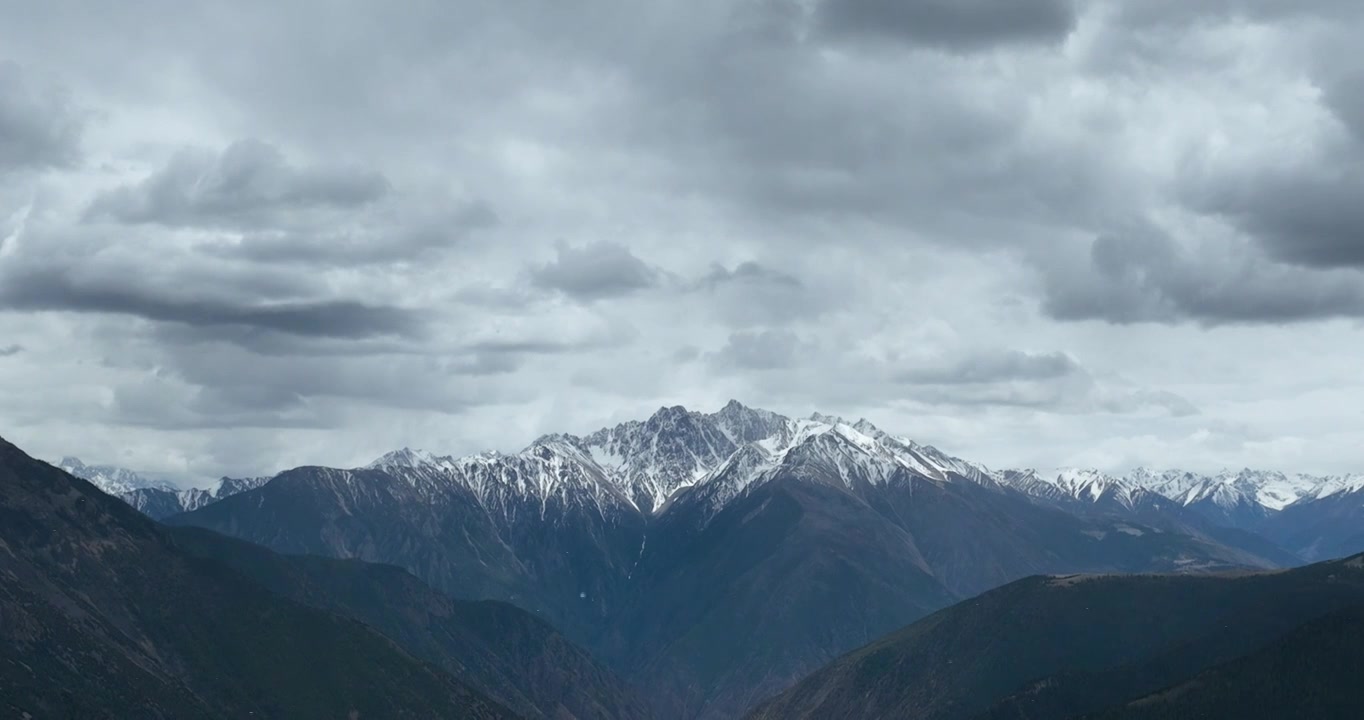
<point>249,183</point>
<point>761,350</point>
<point>752,294</point>
<point>1080,396</point>
<point>63,290</point>
<point>996,367</point>
<point>1305,212</point>
<point>217,385</point>
<point>40,126</point>
<point>867,225</point>
<point>1144,276</point>
<point>748,273</point>
<point>1344,95</point>
<point>1176,12</point>
<point>951,24</point>
<point>596,271</point>
<point>387,239</point>
<point>1051,382</point>
<point>11,350</point>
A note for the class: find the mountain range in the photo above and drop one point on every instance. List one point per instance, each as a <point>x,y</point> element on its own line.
<point>1311,516</point>
<point>715,558</point>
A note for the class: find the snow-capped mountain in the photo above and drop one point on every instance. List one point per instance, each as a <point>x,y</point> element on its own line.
<point>112,480</point>
<point>1332,486</point>
<point>156,499</point>
<point>1241,499</point>
<point>644,464</point>
<point>162,502</point>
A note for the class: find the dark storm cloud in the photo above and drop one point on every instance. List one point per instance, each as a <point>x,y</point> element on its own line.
<point>60,290</point>
<point>596,271</point>
<point>950,24</point>
<point>9,350</point>
<point>39,124</point>
<point>249,183</point>
<point>1144,276</point>
<point>1312,218</point>
<point>996,367</point>
<point>1307,213</point>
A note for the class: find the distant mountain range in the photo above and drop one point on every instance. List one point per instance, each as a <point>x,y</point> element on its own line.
<point>156,499</point>
<point>1312,517</point>
<point>649,461</point>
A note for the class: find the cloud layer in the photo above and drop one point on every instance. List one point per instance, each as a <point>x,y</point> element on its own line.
<point>1032,232</point>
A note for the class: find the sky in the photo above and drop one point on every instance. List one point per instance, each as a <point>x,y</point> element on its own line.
<point>240,237</point>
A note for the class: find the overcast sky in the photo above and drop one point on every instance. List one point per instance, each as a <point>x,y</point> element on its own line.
<point>238,237</point>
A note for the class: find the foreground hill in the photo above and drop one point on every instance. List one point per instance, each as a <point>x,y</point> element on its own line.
<point>105,616</point>
<point>1058,647</point>
<point>1312,672</point>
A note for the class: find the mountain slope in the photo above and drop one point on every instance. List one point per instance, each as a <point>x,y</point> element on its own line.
<point>1056,647</point>
<point>499,649</point>
<point>777,583</point>
<point>526,529</point>
<point>1325,524</point>
<point>105,617</point>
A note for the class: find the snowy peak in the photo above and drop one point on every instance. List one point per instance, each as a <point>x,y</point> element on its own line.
<point>829,450</point>
<point>1335,485</point>
<point>1231,497</point>
<point>1227,489</point>
<point>227,487</point>
<point>673,449</point>
<point>1095,487</point>
<point>112,480</point>
<point>404,458</point>
<point>555,469</point>
<point>742,424</point>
